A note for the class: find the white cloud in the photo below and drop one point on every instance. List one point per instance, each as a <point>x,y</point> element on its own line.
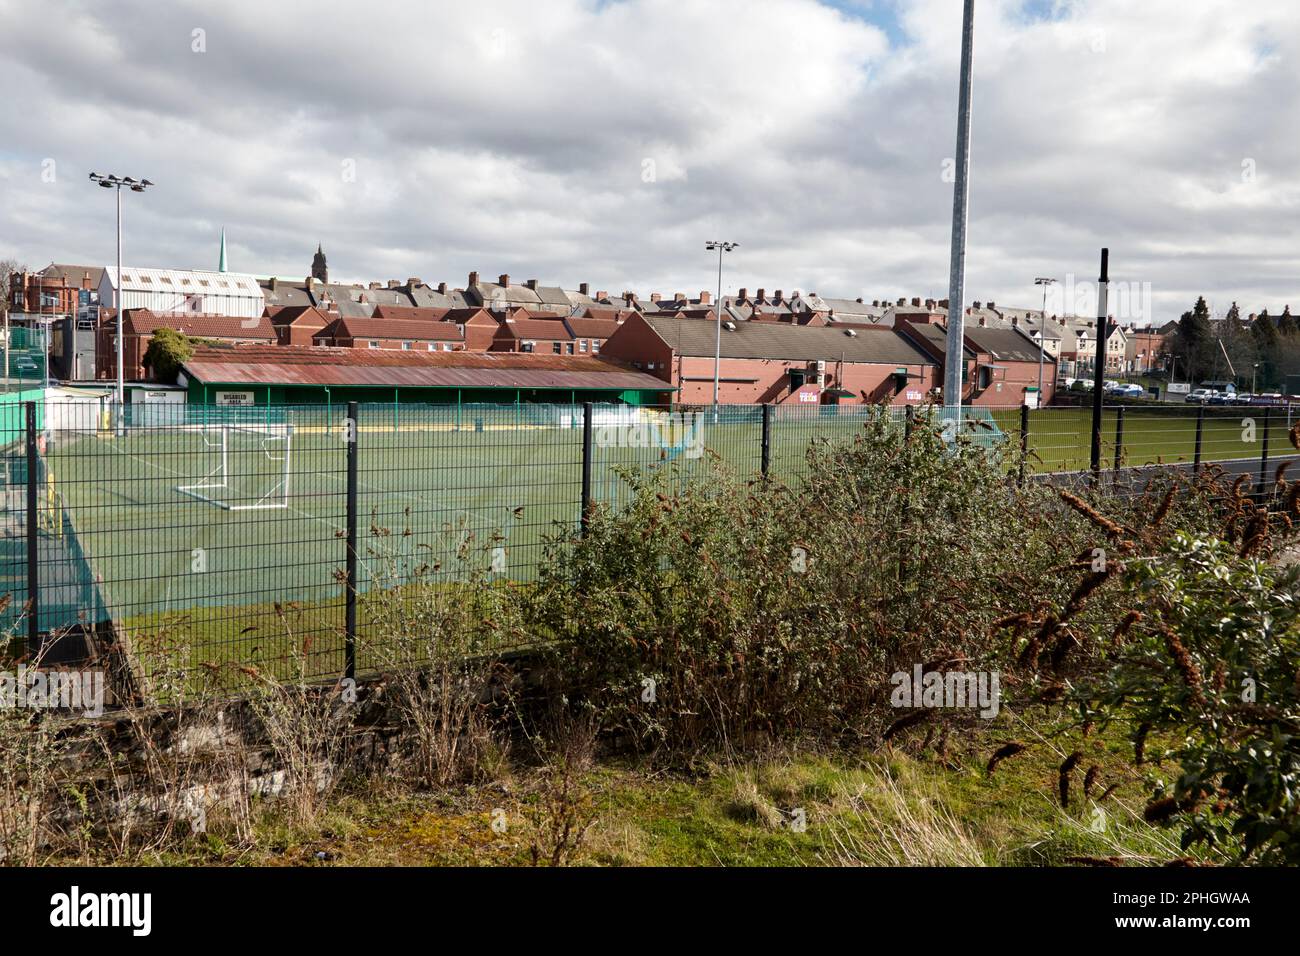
<point>512,136</point>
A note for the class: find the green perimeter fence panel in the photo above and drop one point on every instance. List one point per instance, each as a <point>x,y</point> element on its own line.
<point>216,536</point>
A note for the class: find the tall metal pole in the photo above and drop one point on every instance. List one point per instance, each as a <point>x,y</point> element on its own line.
<point>722,247</point>
<point>717,346</point>
<point>1042,335</point>
<point>957,265</point>
<point>117,304</point>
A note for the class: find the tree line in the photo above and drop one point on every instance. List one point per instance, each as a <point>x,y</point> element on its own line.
<point>1258,355</point>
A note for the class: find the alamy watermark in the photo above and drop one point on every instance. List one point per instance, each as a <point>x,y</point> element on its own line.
<point>42,689</point>
<point>973,690</point>
<point>675,432</point>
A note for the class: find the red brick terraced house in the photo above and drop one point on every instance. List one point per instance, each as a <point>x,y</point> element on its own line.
<point>776,362</point>
<point>521,331</point>
<point>590,334</point>
<point>391,335</point>
<point>139,326</point>
<point>296,324</point>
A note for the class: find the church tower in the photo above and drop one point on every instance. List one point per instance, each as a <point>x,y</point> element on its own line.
<point>318,268</point>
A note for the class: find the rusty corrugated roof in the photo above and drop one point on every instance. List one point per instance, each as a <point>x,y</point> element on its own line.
<point>305,365</point>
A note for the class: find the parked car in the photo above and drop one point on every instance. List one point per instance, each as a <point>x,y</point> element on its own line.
<point>1221,398</point>
<point>1200,396</point>
<point>1131,390</point>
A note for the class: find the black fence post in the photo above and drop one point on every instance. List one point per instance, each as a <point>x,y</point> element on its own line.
<point>1024,441</point>
<point>1099,364</point>
<point>1119,441</point>
<point>1263,458</point>
<point>909,422</point>
<point>1200,432</point>
<point>767,440</point>
<point>33,564</point>
<point>586,466</point>
<point>351,434</point>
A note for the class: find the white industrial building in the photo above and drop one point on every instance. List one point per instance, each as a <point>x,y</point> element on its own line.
<point>172,291</point>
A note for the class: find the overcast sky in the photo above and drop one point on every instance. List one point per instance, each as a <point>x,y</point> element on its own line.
<point>606,141</point>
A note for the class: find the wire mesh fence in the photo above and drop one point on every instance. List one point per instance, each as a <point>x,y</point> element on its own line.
<point>201,539</point>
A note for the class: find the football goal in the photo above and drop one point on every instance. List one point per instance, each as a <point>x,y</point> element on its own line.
<point>247,467</point>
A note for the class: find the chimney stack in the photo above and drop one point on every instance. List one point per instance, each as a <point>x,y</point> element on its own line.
<point>473,279</point>
<point>412,282</point>
<point>916,302</point>
<point>532,284</point>
<point>503,280</point>
<point>761,294</point>
<point>742,295</point>
<point>704,297</point>
<point>583,287</point>
<point>275,284</point>
<point>943,303</point>
<point>776,296</point>
<point>442,288</point>
<point>602,296</point>
<point>655,296</point>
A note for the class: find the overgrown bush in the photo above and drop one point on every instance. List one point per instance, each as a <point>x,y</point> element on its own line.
<point>710,612</point>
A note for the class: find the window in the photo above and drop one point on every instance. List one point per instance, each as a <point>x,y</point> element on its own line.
<point>373,344</point>
<point>446,346</point>
<point>406,346</point>
<point>582,345</point>
<point>556,347</point>
<point>797,377</point>
<point>431,347</point>
<point>527,346</point>
<point>595,346</point>
<point>569,348</point>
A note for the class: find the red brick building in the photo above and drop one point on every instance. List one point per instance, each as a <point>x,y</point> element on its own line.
<point>296,324</point>
<point>139,326</point>
<point>391,334</point>
<point>776,362</point>
<point>521,331</point>
<point>1001,364</point>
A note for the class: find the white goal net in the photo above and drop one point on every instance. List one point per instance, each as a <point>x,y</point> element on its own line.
<point>245,467</point>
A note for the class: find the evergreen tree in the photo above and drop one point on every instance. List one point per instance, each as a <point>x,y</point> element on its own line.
<point>1286,326</point>
<point>1194,343</point>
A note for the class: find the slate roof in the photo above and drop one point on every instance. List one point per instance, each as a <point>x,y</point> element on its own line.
<point>779,340</point>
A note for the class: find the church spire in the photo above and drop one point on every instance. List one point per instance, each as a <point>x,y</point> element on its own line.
<point>221,264</point>
<point>319,270</point>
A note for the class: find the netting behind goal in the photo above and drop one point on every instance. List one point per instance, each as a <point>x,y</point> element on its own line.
<point>244,467</point>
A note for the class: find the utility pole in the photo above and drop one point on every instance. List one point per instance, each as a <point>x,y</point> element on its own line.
<point>957,264</point>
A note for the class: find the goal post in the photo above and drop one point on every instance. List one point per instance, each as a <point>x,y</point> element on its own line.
<point>248,467</point>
